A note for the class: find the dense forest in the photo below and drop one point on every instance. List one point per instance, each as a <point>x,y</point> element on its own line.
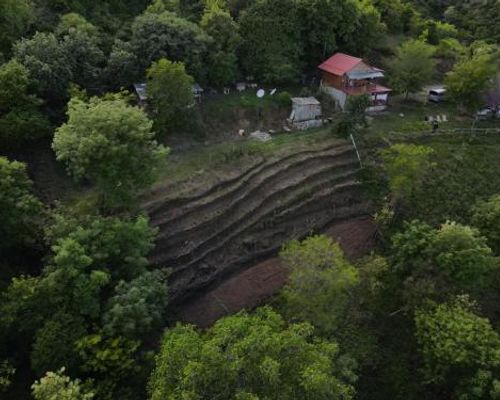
<point>85,311</point>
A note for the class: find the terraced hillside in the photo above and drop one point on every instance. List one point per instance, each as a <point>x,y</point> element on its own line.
<point>220,230</point>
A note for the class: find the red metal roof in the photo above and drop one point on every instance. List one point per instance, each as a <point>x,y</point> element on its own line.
<point>339,64</point>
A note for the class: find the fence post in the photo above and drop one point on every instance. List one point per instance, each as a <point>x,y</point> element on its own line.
<point>356,148</point>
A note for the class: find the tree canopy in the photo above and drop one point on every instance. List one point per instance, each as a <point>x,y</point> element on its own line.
<point>469,79</point>
<point>111,144</point>
<point>19,208</point>
<point>170,91</point>
<point>319,284</point>
<point>413,66</point>
<point>250,357</point>
<point>457,344</point>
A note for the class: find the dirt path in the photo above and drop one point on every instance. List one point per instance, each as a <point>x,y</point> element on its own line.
<point>256,284</point>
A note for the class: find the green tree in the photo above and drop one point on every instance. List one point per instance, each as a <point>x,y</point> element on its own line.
<point>486,217</point>
<point>137,307</point>
<point>16,16</point>
<point>170,92</point>
<point>367,31</point>
<point>406,166</point>
<point>6,373</point>
<point>456,344</point>
<point>57,386</point>
<point>56,61</point>
<point>223,62</point>
<point>462,254</point>
<point>396,14</point>
<point>272,46</point>
<point>86,60</point>
<point>111,144</point>
<point>353,120</point>
<point>409,247</point>
<point>54,343</point>
<point>15,87</point>
<point>73,22</point>
<point>20,117</point>
<point>118,246</point>
<point>20,210</point>
<point>250,357</point>
<point>71,280</point>
<point>323,24</point>
<point>469,79</point>
<point>22,306</point>
<point>479,19</point>
<point>319,284</point>
<point>122,68</point>
<point>165,35</point>
<point>413,66</point>
<point>436,263</point>
<point>112,362</point>
<point>47,62</point>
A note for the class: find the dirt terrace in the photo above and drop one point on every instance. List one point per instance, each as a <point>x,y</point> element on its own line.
<point>219,232</point>
<point>258,283</point>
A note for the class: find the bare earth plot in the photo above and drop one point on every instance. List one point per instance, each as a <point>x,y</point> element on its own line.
<point>258,283</point>
<point>214,237</point>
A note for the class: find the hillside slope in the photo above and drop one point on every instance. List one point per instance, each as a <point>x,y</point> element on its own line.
<point>226,227</point>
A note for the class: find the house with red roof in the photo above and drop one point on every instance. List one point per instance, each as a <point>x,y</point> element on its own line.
<point>344,76</point>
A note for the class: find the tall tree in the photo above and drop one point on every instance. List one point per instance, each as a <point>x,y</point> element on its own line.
<point>118,246</point>
<point>48,63</point>
<point>396,14</point>
<point>458,345</point>
<point>223,62</point>
<point>137,307</point>
<point>165,35</point>
<point>250,357</point>
<point>272,42</point>
<point>319,284</point>
<point>436,263</point>
<point>54,343</point>
<point>112,363</point>
<point>111,144</point>
<point>57,386</point>
<point>20,117</point>
<point>413,66</point>
<point>19,209</point>
<point>406,166</point>
<point>170,91</point>
<point>16,17</point>
<point>469,79</point>
<point>486,217</point>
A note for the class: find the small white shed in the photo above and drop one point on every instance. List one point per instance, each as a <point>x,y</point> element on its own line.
<point>306,113</point>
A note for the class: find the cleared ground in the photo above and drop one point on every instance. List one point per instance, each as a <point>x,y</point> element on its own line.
<point>259,282</point>
<point>211,229</point>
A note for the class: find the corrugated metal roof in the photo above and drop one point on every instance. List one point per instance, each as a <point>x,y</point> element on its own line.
<point>340,63</point>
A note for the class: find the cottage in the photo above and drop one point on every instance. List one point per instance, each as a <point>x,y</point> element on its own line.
<point>344,76</point>
<point>141,92</point>
<point>306,113</point>
<point>197,91</point>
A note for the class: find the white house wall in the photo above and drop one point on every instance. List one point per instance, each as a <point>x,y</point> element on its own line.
<point>336,94</point>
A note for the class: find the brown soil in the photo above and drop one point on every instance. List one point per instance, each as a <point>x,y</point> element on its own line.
<point>253,286</point>
<point>222,230</point>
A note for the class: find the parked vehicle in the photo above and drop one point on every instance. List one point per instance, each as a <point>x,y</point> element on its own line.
<point>488,113</point>
<point>437,95</point>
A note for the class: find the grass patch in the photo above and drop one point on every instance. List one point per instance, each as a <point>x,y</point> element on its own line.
<point>466,171</point>
<point>182,166</point>
<point>392,124</point>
